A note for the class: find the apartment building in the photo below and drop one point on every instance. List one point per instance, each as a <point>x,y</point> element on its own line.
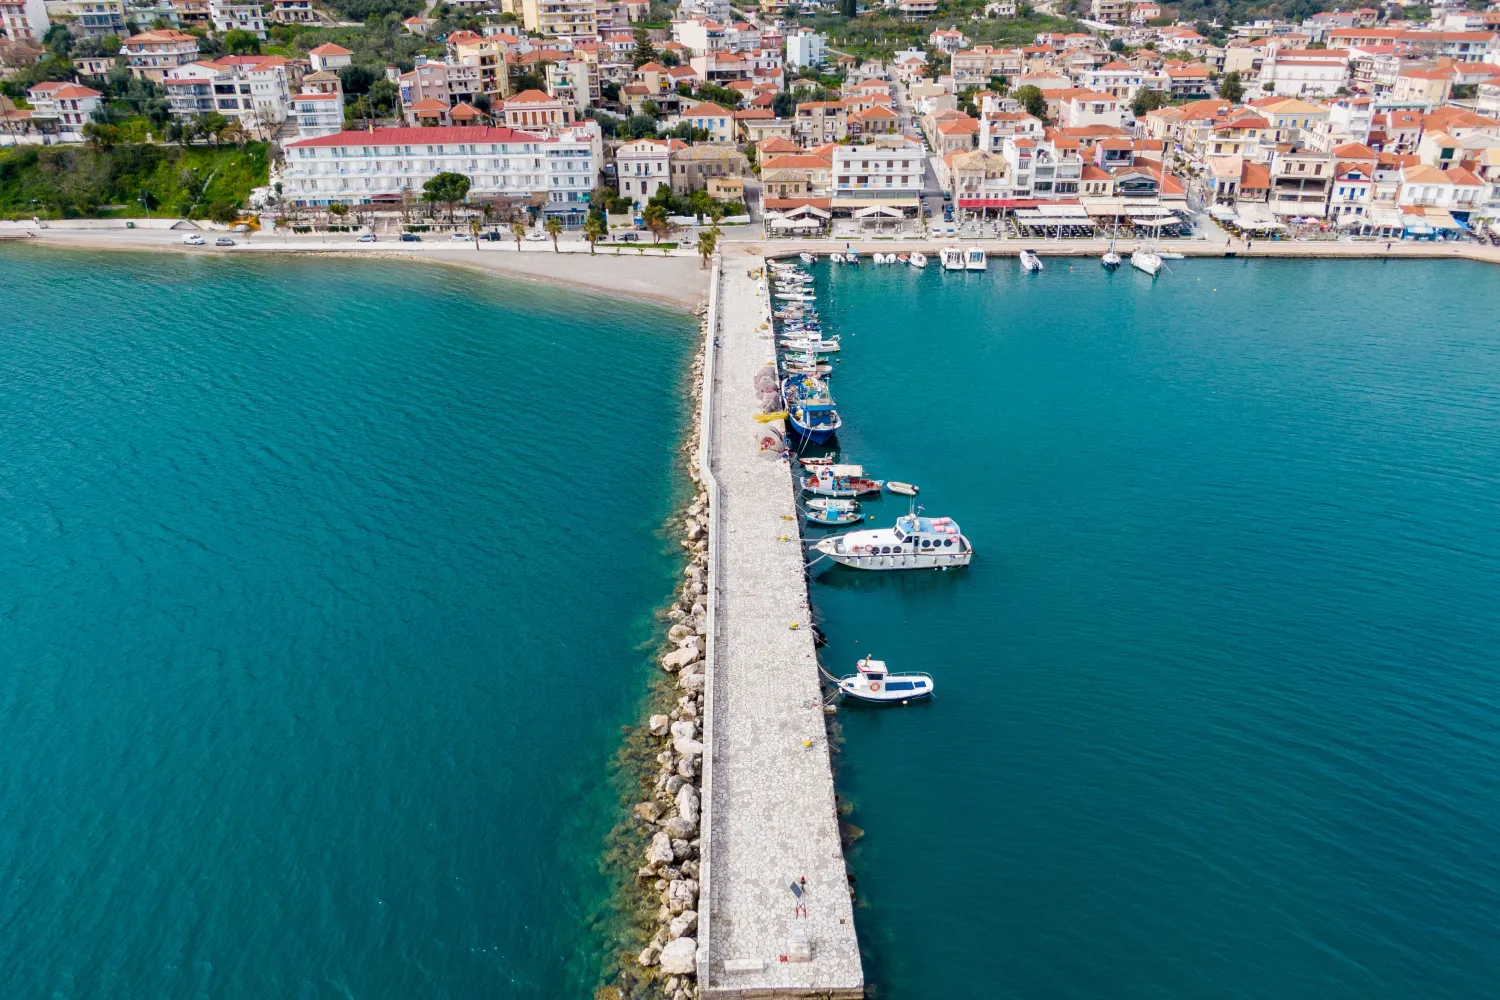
<point>91,18</point>
<point>976,66</point>
<point>237,17</point>
<point>152,54</point>
<point>65,107</point>
<point>1300,179</point>
<point>1111,11</point>
<point>293,12</point>
<point>560,18</point>
<point>643,165</point>
<point>886,170</point>
<point>24,20</point>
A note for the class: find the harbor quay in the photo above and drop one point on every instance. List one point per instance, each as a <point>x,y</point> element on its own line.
<point>776,913</point>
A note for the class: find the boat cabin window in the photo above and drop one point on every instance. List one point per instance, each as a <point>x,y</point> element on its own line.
<point>899,686</point>
<point>900,536</point>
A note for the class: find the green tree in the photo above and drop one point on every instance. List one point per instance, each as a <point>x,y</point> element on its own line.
<point>701,204</point>
<point>1032,100</point>
<point>594,230</point>
<point>518,231</point>
<point>241,43</point>
<point>1230,88</point>
<point>1147,101</point>
<point>474,228</point>
<point>655,218</point>
<point>849,8</point>
<point>554,228</point>
<point>644,51</point>
<point>707,243</point>
<point>447,188</point>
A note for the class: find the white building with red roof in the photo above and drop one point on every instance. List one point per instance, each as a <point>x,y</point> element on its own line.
<point>386,166</point>
<point>330,57</point>
<point>65,107</point>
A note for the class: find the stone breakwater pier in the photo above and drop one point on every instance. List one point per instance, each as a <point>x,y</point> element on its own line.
<point>768,813</point>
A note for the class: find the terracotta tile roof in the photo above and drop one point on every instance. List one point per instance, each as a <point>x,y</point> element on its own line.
<point>329,49</point>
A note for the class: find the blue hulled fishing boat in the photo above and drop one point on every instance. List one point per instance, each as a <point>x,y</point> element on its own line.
<point>810,408</point>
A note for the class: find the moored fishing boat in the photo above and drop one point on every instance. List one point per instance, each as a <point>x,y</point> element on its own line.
<point>975,259</point>
<point>914,542</point>
<point>809,407</point>
<point>873,682</point>
<point>822,503</point>
<point>1030,261</point>
<point>952,258</point>
<point>903,258</point>
<point>841,481</point>
<point>811,346</point>
<point>833,518</point>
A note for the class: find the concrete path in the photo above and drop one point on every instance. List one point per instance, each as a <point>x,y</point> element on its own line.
<point>770,815</point>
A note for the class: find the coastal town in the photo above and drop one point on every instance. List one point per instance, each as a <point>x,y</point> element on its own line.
<point>584,120</point>
<point>710,155</point>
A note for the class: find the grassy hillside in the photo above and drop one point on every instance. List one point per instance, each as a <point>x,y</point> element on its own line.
<point>82,182</point>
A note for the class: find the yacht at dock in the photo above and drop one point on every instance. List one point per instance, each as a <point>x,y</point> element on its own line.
<point>914,542</point>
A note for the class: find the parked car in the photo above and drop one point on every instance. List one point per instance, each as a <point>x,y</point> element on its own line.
<point>239,227</point>
<point>627,237</point>
<point>493,236</point>
<point>193,240</point>
<point>410,238</point>
<point>459,238</point>
<point>366,238</point>
<point>223,241</point>
<point>536,236</point>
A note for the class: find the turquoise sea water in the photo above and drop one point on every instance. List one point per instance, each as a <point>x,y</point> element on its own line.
<point>1218,709</point>
<point>324,588</point>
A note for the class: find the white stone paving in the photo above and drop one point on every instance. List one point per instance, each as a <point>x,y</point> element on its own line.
<point>772,815</point>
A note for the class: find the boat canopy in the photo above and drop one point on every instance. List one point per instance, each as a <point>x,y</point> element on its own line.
<point>844,470</point>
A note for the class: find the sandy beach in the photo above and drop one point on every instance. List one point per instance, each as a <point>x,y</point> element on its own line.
<point>678,280</point>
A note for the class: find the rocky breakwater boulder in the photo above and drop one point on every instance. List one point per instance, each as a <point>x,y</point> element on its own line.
<point>671,812</point>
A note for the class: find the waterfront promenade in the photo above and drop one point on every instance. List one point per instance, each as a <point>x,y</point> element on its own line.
<point>770,818</point>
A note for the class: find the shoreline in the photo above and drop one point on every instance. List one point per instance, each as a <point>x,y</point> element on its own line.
<point>1270,249</point>
<point>675,282</point>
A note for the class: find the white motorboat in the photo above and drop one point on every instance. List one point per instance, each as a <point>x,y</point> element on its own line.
<point>837,258</point>
<point>1146,260</point>
<point>975,259</point>
<point>1110,259</point>
<point>874,683</point>
<point>952,258</point>
<point>1170,255</point>
<point>842,506</point>
<point>917,259</point>
<point>914,542</point>
<point>851,256</point>
<point>808,258</point>
<point>811,346</point>
<point>903,489</point>
<point>1030,261</point>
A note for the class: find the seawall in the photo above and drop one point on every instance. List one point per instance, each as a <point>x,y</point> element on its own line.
<point>768,817</point>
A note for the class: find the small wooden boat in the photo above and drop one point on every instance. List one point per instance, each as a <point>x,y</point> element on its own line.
<point>834,518</point>
<point>827,483</point>
<point>805,369</point>
<point>811,346</point>
<point>874,683</point>
<point>904,489</point>
<point>902,258</point>
<point>818,460</point>
<point>845,506</point>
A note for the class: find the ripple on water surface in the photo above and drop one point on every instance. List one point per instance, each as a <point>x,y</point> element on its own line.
<point>310,676</point>
<point>1217,700</point>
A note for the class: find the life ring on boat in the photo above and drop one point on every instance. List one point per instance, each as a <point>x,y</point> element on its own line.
<point>874,685</point>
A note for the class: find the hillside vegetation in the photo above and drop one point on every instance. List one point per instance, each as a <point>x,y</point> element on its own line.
<point>127,180</point>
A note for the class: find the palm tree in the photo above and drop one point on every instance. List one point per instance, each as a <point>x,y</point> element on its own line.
<point>594,230</point>
<point>474,227</point>
<point>554,229</point>
<point>707,243</point>
<point>518,230</point>
<point>655,217</point>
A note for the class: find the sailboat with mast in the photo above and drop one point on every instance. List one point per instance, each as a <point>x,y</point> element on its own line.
<point>1111,258</point>
<point>1146,258</point>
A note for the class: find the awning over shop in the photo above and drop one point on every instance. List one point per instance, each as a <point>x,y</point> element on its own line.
<point>884,211</point>
<point>1416,224</point>
<point>868,202</point>
<point>1222,212</point>
<point>1108,207</point>
<point>795,224</point>
<point>1150,212</point>
<point>812,210</point>
<point>1441,220</point>
<point>1384,218</point>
